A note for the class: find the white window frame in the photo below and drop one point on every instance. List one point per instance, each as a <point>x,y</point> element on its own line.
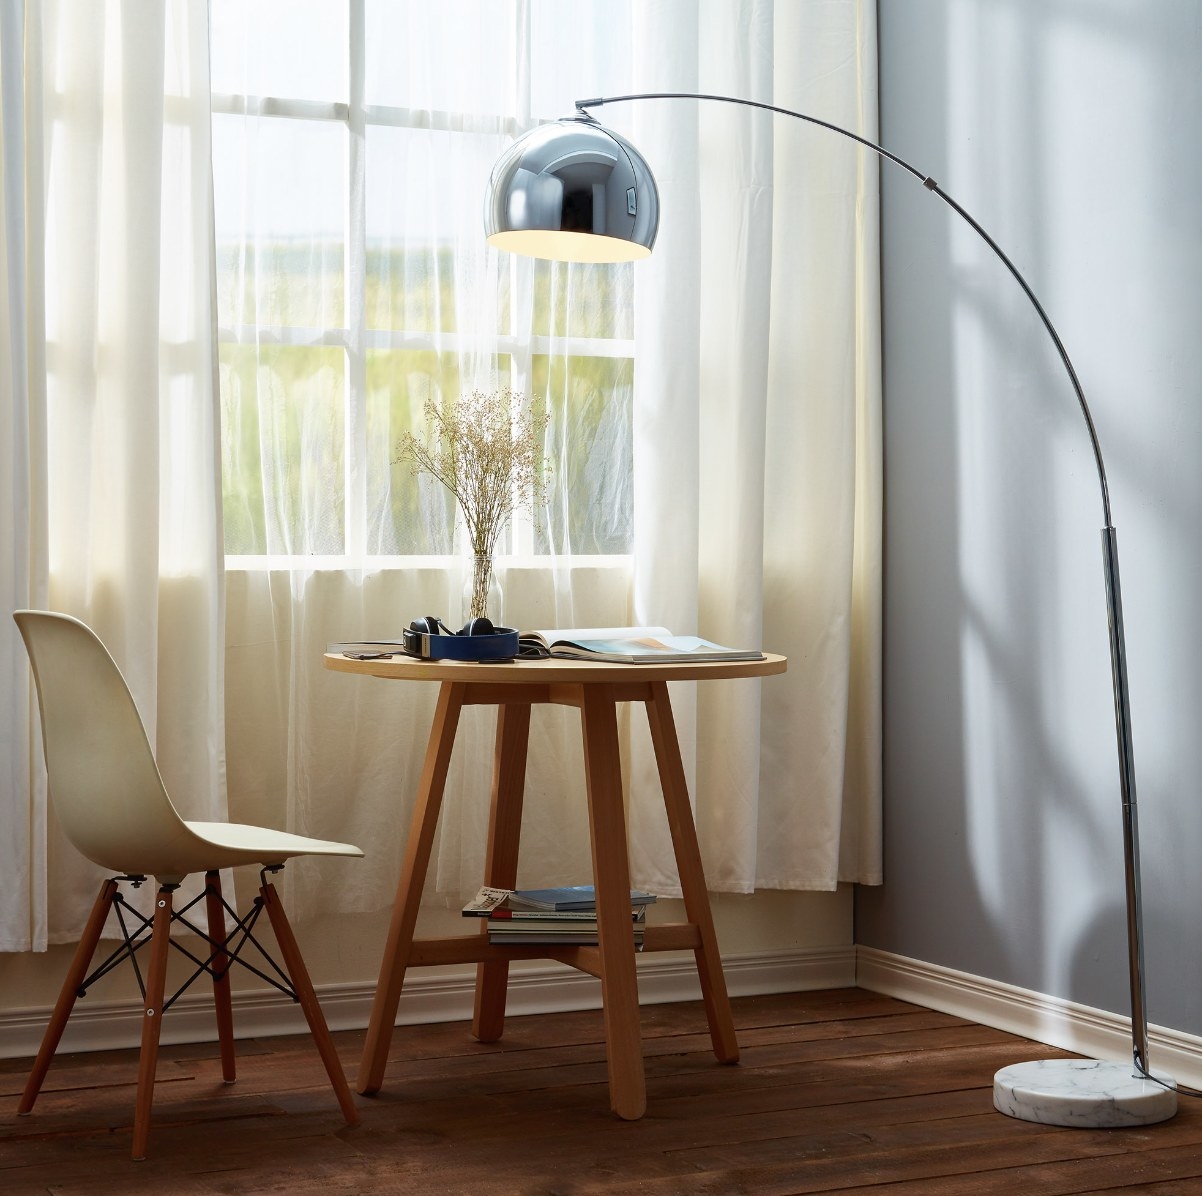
<point>357,340</point>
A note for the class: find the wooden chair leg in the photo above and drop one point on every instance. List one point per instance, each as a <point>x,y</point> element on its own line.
<point>222,1000</point>
<point>152,1019</point>
<point>67,995</point>
<point>299,975</point>
<point>501,863</point>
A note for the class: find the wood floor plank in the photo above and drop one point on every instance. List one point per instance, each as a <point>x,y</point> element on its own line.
<point>836,1091</point>
<point>1169,1187</point>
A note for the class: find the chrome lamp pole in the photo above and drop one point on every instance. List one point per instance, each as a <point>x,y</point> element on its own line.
<point>573,190</point>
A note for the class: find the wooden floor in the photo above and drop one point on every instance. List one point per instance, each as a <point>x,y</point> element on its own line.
<point>840,1091</point>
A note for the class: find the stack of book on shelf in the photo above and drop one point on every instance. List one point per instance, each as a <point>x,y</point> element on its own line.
<point>564,916</point>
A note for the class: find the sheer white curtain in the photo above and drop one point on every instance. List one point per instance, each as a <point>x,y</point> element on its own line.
<point>108,435</point>
<point>352,146</point>
<point>714,417</point>
<point>758,459</point>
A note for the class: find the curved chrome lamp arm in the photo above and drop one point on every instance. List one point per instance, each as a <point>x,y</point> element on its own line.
<point>929,183</point>
<point>1114,607</point>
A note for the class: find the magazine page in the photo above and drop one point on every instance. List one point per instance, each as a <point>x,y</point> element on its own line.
<point>630,645</point>
<point>574,635</point>
<point>648,649</point>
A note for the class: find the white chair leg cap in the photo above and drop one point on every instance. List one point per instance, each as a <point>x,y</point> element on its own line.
<point>1085,1093</point>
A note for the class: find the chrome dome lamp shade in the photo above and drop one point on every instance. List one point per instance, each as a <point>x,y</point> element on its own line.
<point>573,191</point>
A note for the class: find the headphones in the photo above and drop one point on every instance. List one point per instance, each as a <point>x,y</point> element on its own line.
<point>433,625</point>
<point>431,639</point>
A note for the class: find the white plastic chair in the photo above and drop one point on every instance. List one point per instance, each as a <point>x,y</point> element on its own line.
<point>111,803</point>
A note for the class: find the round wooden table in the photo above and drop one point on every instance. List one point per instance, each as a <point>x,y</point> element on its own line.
<point>595,689</point>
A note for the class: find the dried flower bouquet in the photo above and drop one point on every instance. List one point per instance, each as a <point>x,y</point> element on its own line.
<point>486,449</point>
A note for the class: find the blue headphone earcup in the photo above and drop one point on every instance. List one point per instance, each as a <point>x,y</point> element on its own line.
<point>481,626</point>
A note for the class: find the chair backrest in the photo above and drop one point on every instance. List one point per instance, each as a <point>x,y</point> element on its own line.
<point>105,785</point>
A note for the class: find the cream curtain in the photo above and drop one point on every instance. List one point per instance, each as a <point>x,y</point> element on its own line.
<point>108,432</point>
<point>758,446</point>
<point>755,432</point>
<point>353,281</point>
<point>755,470</point>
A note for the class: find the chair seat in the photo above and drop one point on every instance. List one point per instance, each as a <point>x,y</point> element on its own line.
<point>237,843</point>
<point>192,847</point>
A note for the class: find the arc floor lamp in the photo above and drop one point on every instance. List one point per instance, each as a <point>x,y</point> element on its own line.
<point>573,190</point>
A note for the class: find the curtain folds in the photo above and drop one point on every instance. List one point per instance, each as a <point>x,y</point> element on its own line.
<point>735,485</point>
<point>759,365</point>
<point>753,470</point>
<point>109,413</point>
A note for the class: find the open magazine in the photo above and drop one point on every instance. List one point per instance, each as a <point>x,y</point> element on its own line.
<point>628,645</point>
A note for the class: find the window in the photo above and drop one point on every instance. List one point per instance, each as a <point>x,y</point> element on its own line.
<point>350,162</point>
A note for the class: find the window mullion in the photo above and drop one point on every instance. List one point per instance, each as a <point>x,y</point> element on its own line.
<point>356,291</point>
<point>522,298</point>
<point>521,366</point>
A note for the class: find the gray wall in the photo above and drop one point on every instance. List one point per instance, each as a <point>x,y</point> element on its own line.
<point>1072,129</point>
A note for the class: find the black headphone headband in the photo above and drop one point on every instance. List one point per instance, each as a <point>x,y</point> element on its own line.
<point>433,625</point>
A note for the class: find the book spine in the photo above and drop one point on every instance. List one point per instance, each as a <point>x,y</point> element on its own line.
<point>566,918</point>
<point>546,915</point>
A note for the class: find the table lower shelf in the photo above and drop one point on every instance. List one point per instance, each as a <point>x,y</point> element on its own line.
<point>475,948</point>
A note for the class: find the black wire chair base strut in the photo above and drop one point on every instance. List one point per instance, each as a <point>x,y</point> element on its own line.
<point>136,931</point>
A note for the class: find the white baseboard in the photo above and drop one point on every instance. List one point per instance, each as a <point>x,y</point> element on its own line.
<point>429,995</point>
<point>444,995</point>
<point>1065,1024</point>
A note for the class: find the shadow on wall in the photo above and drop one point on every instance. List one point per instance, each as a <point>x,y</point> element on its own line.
<point>1074,134</point>
<point>1100,980</point>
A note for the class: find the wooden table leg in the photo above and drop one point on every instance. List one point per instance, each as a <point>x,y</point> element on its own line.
<point>611,877</point>
<point>692,877</point>
<point>501,864</point>
<point>409,888</point>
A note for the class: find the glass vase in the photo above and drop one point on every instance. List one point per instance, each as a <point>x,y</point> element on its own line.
<point>482,591</point>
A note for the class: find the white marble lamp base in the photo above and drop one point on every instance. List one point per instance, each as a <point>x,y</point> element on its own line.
<point>1082,1093</point>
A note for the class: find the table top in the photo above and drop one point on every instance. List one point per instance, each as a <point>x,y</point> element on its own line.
<point>552,670</point>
